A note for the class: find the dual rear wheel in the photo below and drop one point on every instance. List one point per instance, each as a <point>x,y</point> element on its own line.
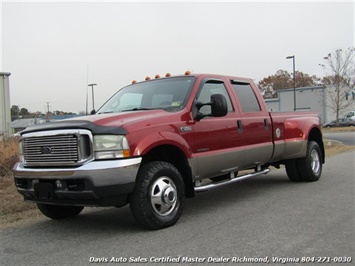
<point>157,200</point>
<point>307,169</point>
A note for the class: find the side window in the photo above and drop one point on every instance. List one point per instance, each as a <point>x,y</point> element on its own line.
<point>246,96</point>
<point>209,88</point>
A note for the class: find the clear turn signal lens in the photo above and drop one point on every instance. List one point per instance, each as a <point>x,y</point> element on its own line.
<point>111,147</point>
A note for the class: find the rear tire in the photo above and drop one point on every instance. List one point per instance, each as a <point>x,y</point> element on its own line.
<point>58,212</point>
<point>292,170</point>
<point>310,167</point>
<point>158,198</point>
<point>307,169</point>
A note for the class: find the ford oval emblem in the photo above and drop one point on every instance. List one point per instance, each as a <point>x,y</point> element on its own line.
<point>46,150</point>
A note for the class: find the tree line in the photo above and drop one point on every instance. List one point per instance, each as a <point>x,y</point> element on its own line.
<point>282,79</point>
<point>17,113</point>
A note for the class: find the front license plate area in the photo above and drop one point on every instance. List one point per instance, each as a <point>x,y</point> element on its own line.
<point>43,190</point>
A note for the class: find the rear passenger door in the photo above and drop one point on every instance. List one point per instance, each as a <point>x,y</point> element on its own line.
<point>218,145</point>
<point>254,123</point>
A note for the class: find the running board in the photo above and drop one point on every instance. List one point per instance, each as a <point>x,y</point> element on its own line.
<point>233,180</point>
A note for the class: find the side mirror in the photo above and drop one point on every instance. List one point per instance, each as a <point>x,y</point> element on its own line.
<point>218,105</point>
<point>93,112</point>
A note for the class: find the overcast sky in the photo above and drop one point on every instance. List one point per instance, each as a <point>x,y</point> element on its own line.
<point>53,50</point>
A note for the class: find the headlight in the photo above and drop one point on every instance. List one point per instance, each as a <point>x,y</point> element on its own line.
<point>111,147</point>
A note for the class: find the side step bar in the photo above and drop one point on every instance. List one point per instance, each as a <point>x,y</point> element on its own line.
<point>229,181</point>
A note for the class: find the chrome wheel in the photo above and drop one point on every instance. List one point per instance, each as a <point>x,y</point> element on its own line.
<point>158,197</point>
<point>163,196</point>
<point>316,164</point>
<point>309,168</point>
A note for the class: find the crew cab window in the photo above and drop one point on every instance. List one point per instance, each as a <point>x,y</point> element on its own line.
<point>209,88</point>
<point>246,96</point>
<point>169,94</point>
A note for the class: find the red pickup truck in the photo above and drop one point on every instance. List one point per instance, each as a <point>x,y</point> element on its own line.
<point>156,142</point>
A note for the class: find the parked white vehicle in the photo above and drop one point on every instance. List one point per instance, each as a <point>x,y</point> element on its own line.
<point>351,115</point>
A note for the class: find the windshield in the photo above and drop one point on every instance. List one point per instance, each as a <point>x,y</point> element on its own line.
<point>169,94</point>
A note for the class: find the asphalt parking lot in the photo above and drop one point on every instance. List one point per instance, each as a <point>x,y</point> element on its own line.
<point>267,217</point>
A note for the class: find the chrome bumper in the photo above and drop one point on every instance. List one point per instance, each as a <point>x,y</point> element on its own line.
<point>88,184</point>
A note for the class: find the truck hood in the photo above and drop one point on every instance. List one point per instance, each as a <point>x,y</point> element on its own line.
<point>101,123</point>
<point>121,119</point>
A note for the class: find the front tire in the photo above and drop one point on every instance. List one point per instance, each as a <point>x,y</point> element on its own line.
<point>57,212</point>
<point>158,198</point>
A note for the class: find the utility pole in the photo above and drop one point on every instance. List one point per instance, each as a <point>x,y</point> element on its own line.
<point>47,115</point>
<point>92,89</point>
<point>48,106</point>
<point>87,93</point>
<point>294,81</point>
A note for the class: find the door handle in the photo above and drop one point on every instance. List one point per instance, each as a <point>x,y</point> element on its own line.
<point>240,126</point>
<point>266,124</point>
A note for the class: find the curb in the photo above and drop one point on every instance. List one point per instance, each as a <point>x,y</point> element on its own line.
<point>331,142</point>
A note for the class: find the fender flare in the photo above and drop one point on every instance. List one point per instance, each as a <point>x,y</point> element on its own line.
<point>156,139</point>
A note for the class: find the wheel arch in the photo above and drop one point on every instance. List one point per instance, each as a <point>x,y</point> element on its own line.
<point>176,157</point>
<point>316,135</point>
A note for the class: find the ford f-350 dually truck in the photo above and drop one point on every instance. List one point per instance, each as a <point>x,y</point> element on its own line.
<point>158,141</point>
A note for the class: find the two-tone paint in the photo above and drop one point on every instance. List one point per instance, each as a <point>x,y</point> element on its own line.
<point>199,148</point>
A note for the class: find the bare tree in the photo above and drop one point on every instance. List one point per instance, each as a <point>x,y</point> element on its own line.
<point>351,81</point>
<point>340,79</point>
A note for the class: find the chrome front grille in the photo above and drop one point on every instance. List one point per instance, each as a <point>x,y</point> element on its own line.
<point>57,148</point>
<point>61,148</point>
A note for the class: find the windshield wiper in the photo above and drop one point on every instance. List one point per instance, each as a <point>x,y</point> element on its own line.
<point>108,112</point>
<point>139,109</point>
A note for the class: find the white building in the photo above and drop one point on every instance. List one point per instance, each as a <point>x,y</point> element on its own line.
<point>5,116</point>
<point>312,99</point>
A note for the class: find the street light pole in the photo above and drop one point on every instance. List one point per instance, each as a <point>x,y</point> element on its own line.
<point>294,81</point>
<point>92,89</point>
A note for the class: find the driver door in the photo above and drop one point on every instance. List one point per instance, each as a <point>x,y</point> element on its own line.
<point>218,144</point>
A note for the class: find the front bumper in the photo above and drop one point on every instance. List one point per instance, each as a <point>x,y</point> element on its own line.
<point>97,183</point>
